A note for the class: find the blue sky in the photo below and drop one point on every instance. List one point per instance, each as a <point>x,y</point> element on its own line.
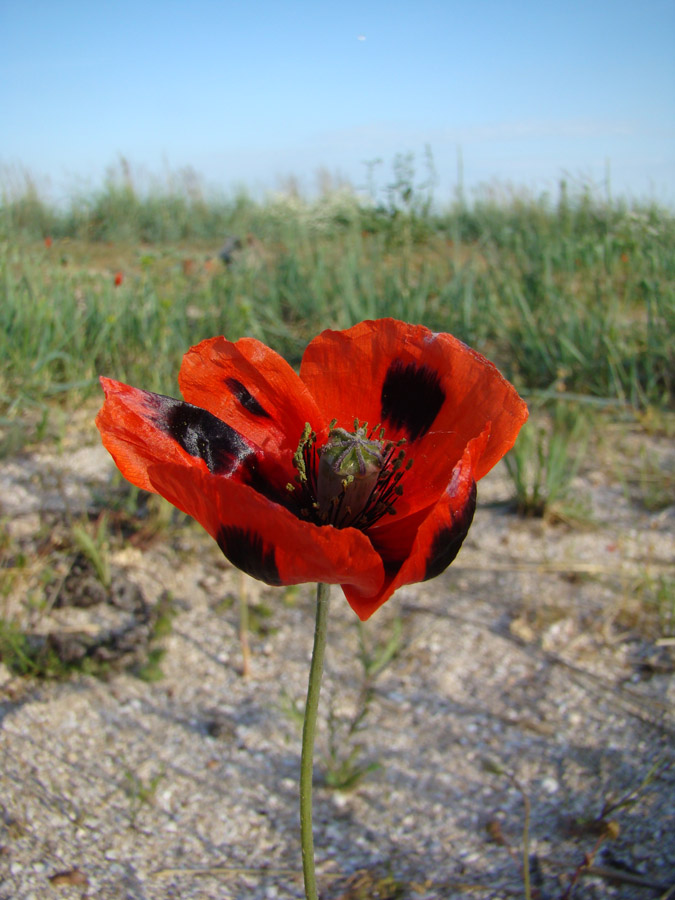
<point>252,92</point>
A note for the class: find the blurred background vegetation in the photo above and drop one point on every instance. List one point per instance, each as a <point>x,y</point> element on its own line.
<point>568,294</point>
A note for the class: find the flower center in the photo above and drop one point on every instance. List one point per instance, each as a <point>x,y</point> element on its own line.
<point>353,480</point>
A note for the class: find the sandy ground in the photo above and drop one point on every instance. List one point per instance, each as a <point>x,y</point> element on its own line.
<point>523,704</point>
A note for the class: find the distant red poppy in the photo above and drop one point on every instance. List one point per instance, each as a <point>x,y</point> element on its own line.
<point>287,476</point>
<point>119,278</point>
<point>48,242</point>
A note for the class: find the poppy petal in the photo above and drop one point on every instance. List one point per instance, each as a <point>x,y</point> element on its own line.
<point>252,388</point>
<point>433,543</point>
<point>393,536</point>
<point>428,388</point>
<point>263,538</point>
<point>140,428</point>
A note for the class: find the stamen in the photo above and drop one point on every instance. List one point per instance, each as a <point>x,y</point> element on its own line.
<point>353,480</point>
<point>299,455</point>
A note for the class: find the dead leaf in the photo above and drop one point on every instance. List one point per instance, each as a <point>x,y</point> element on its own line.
<point>69,876</point>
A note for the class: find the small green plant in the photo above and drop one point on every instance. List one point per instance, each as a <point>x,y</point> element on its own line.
<point>150,667</point>
<point>376,657</point>
<point>546,458</point>
<point>133,513</point>
<point>629,798</point>
<point>344,770</point>
<point>165,612</point>
<point>13,566</point>
<point>372,885</point>
<point>93,543</point>
<point>259,619</point>
<point>604,827</point>
<point>343,764</point>
<point>648,606</point>
<point>140,792</point>
<point>653,482</point>
<point>16,651</point>
<point>32,656</point>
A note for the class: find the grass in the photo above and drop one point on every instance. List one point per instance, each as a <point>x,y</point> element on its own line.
<point>546,458</point>
<point>344,764</point>
<point>53,572</point>
<point>573,297</point>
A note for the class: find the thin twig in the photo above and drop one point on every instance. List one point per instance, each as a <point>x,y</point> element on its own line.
<point>622,877</point>
<point>226,870</point>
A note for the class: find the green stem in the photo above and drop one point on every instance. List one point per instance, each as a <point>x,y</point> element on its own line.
<point>308,733</point>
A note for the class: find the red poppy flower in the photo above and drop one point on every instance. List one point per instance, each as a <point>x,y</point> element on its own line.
<point>285,473</point>
<point>119,278</point>
<point>48,242</point>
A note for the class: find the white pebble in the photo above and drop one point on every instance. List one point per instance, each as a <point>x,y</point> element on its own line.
<point>550,785</point>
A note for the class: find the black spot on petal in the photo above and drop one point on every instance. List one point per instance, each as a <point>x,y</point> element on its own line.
<point>411,398</point>
<point>200,434</point>
<point>447,541</point>
<point>247,551</point>
<point>246,398</point>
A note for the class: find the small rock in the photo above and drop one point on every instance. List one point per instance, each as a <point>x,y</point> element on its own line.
<point>550,785</point>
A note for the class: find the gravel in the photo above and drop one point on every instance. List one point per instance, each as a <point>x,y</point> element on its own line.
<point>515,703</point>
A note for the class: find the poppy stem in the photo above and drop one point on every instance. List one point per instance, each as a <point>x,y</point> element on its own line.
<point>308,733</point>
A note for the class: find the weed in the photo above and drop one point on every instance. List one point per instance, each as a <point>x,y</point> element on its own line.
<point>630,797</point>
<point>657,421</point>
<point>372,885</point>
<point>546,458</point>
<point>579,295</point>
<point>16,651</point>
<point>607,828</point>
<point>140,792</point>
<point>29,655</point>
<point>344,768</point>
<point>343,764</point>
<point>164,613</point>
<point>94,546</point>
<point>376,657</point>
<point>651,481</point>
<point>136,515</point>
<point>150,667</point>
<point>259,619</point>
<point>648,606</point>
